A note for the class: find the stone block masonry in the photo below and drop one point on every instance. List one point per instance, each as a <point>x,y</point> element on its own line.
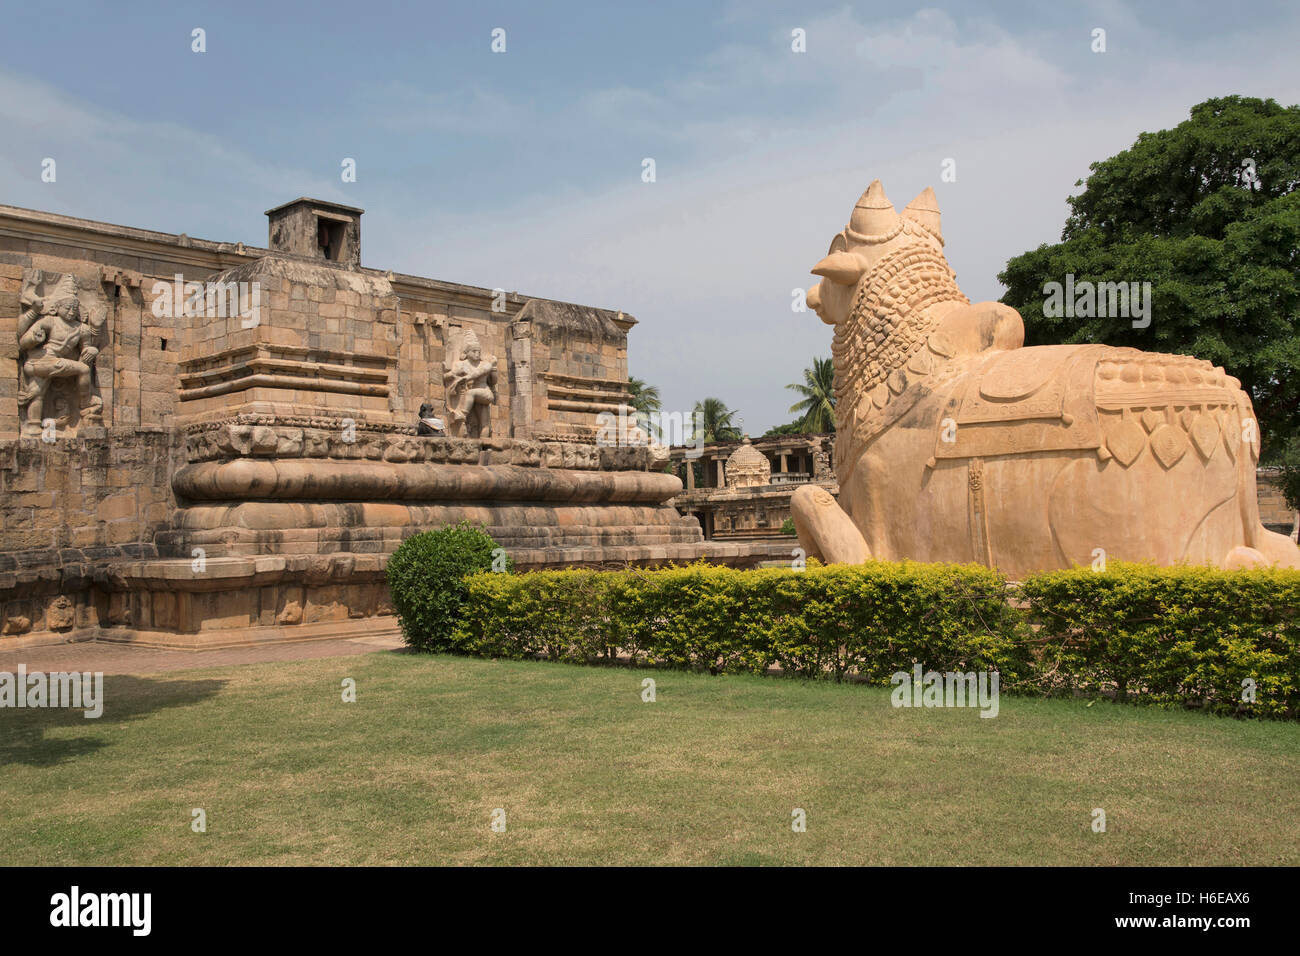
<point>70,510</point>
<point>210,443</point>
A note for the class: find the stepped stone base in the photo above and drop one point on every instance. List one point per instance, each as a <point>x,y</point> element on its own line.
<point>249,433</point>
<point>255,599</point>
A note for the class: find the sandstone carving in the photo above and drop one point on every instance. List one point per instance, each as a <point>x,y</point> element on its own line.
<point>469,384</point>
<point>267,456</point>
<point>747,467</point>
<point>955,443</point>
<point>55,343</point>
<point>60,615</point>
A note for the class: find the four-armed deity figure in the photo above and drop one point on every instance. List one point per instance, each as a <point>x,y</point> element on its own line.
<point>469,391</point>
<point>54,342</point>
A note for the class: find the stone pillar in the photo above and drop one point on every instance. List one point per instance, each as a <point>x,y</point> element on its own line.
<point>690,474</point>
<point>520,357</point>
<point>785,461</point>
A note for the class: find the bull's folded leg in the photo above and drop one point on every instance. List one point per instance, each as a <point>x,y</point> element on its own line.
<point>1241,558</point>
<point>1278,549</point>
<point>824,530</point>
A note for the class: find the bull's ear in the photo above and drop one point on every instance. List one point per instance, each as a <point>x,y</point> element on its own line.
<point>842,267</point>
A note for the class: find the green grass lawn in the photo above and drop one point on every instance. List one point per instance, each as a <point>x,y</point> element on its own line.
<point>589,774</point>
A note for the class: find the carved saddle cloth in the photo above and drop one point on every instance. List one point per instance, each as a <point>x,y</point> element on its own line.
<point>1114,401</point>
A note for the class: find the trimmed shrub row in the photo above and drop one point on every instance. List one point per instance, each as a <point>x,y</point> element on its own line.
<point>1187,635</point>
<point>1228,642</point>
<point>825,621</point>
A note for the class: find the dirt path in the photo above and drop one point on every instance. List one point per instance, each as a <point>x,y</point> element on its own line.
<point>124,659</point>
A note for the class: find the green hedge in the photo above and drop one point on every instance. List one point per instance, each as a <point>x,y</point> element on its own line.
<point>869,620</point>
<point>1171,636</point>
<point>1182,635</point>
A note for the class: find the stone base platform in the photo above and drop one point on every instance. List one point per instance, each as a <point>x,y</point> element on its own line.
<point>248,600</point>
<point>385,627</point>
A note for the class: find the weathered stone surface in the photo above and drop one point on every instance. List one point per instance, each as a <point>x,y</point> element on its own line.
<point>58,334</point>
<point>252,418</point>
<point>747,467</point>
<point>955,443</point>
<point>470,384</point>
<point>59,616</point>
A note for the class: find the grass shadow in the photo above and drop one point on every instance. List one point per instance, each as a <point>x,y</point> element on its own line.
<point>24,731</point>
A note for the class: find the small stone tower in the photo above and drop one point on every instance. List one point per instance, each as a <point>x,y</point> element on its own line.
<point>316,229</point>
<point>747,467</point>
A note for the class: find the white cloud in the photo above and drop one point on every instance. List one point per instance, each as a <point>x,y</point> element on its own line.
<point>163,174</point>
<point>763,154</point>
<point>707,256</point>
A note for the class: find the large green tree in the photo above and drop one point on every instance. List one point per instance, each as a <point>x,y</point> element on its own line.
<point>714,419</point>
<point>818,402</point>
<point>789,428</point>
<point>1209,213</point>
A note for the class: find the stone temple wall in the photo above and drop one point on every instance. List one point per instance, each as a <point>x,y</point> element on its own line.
<point>101,495</point>
<point>1273,512</point>
<point>71,506</point>
<point>377,344</point>
<point>237,466</point>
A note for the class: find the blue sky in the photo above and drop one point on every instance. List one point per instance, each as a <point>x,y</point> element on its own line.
<point>523,170</point>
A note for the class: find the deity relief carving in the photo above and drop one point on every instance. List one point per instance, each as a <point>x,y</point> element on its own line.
<point>470,381</point>
<point>57,336</point>
<point>61,614</point>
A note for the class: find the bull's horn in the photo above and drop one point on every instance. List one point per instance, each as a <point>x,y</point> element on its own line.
<point>842,267</point>
<point>874,214</point>
<point>924,210</point>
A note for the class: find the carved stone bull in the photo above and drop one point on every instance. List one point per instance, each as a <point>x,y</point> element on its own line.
<point>955,443</point>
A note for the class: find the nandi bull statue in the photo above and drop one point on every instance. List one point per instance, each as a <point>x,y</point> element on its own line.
<point>954,443</point>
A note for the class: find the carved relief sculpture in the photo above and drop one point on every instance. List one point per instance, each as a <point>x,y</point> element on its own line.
<point>955,443</point>
<point>56,343</point>
<point>469,383</point>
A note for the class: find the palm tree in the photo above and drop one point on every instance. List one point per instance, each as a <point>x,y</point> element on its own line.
<point>818,402</point>
<point>645,401</point>
<point>645,398</point>
<point>713,418</point>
